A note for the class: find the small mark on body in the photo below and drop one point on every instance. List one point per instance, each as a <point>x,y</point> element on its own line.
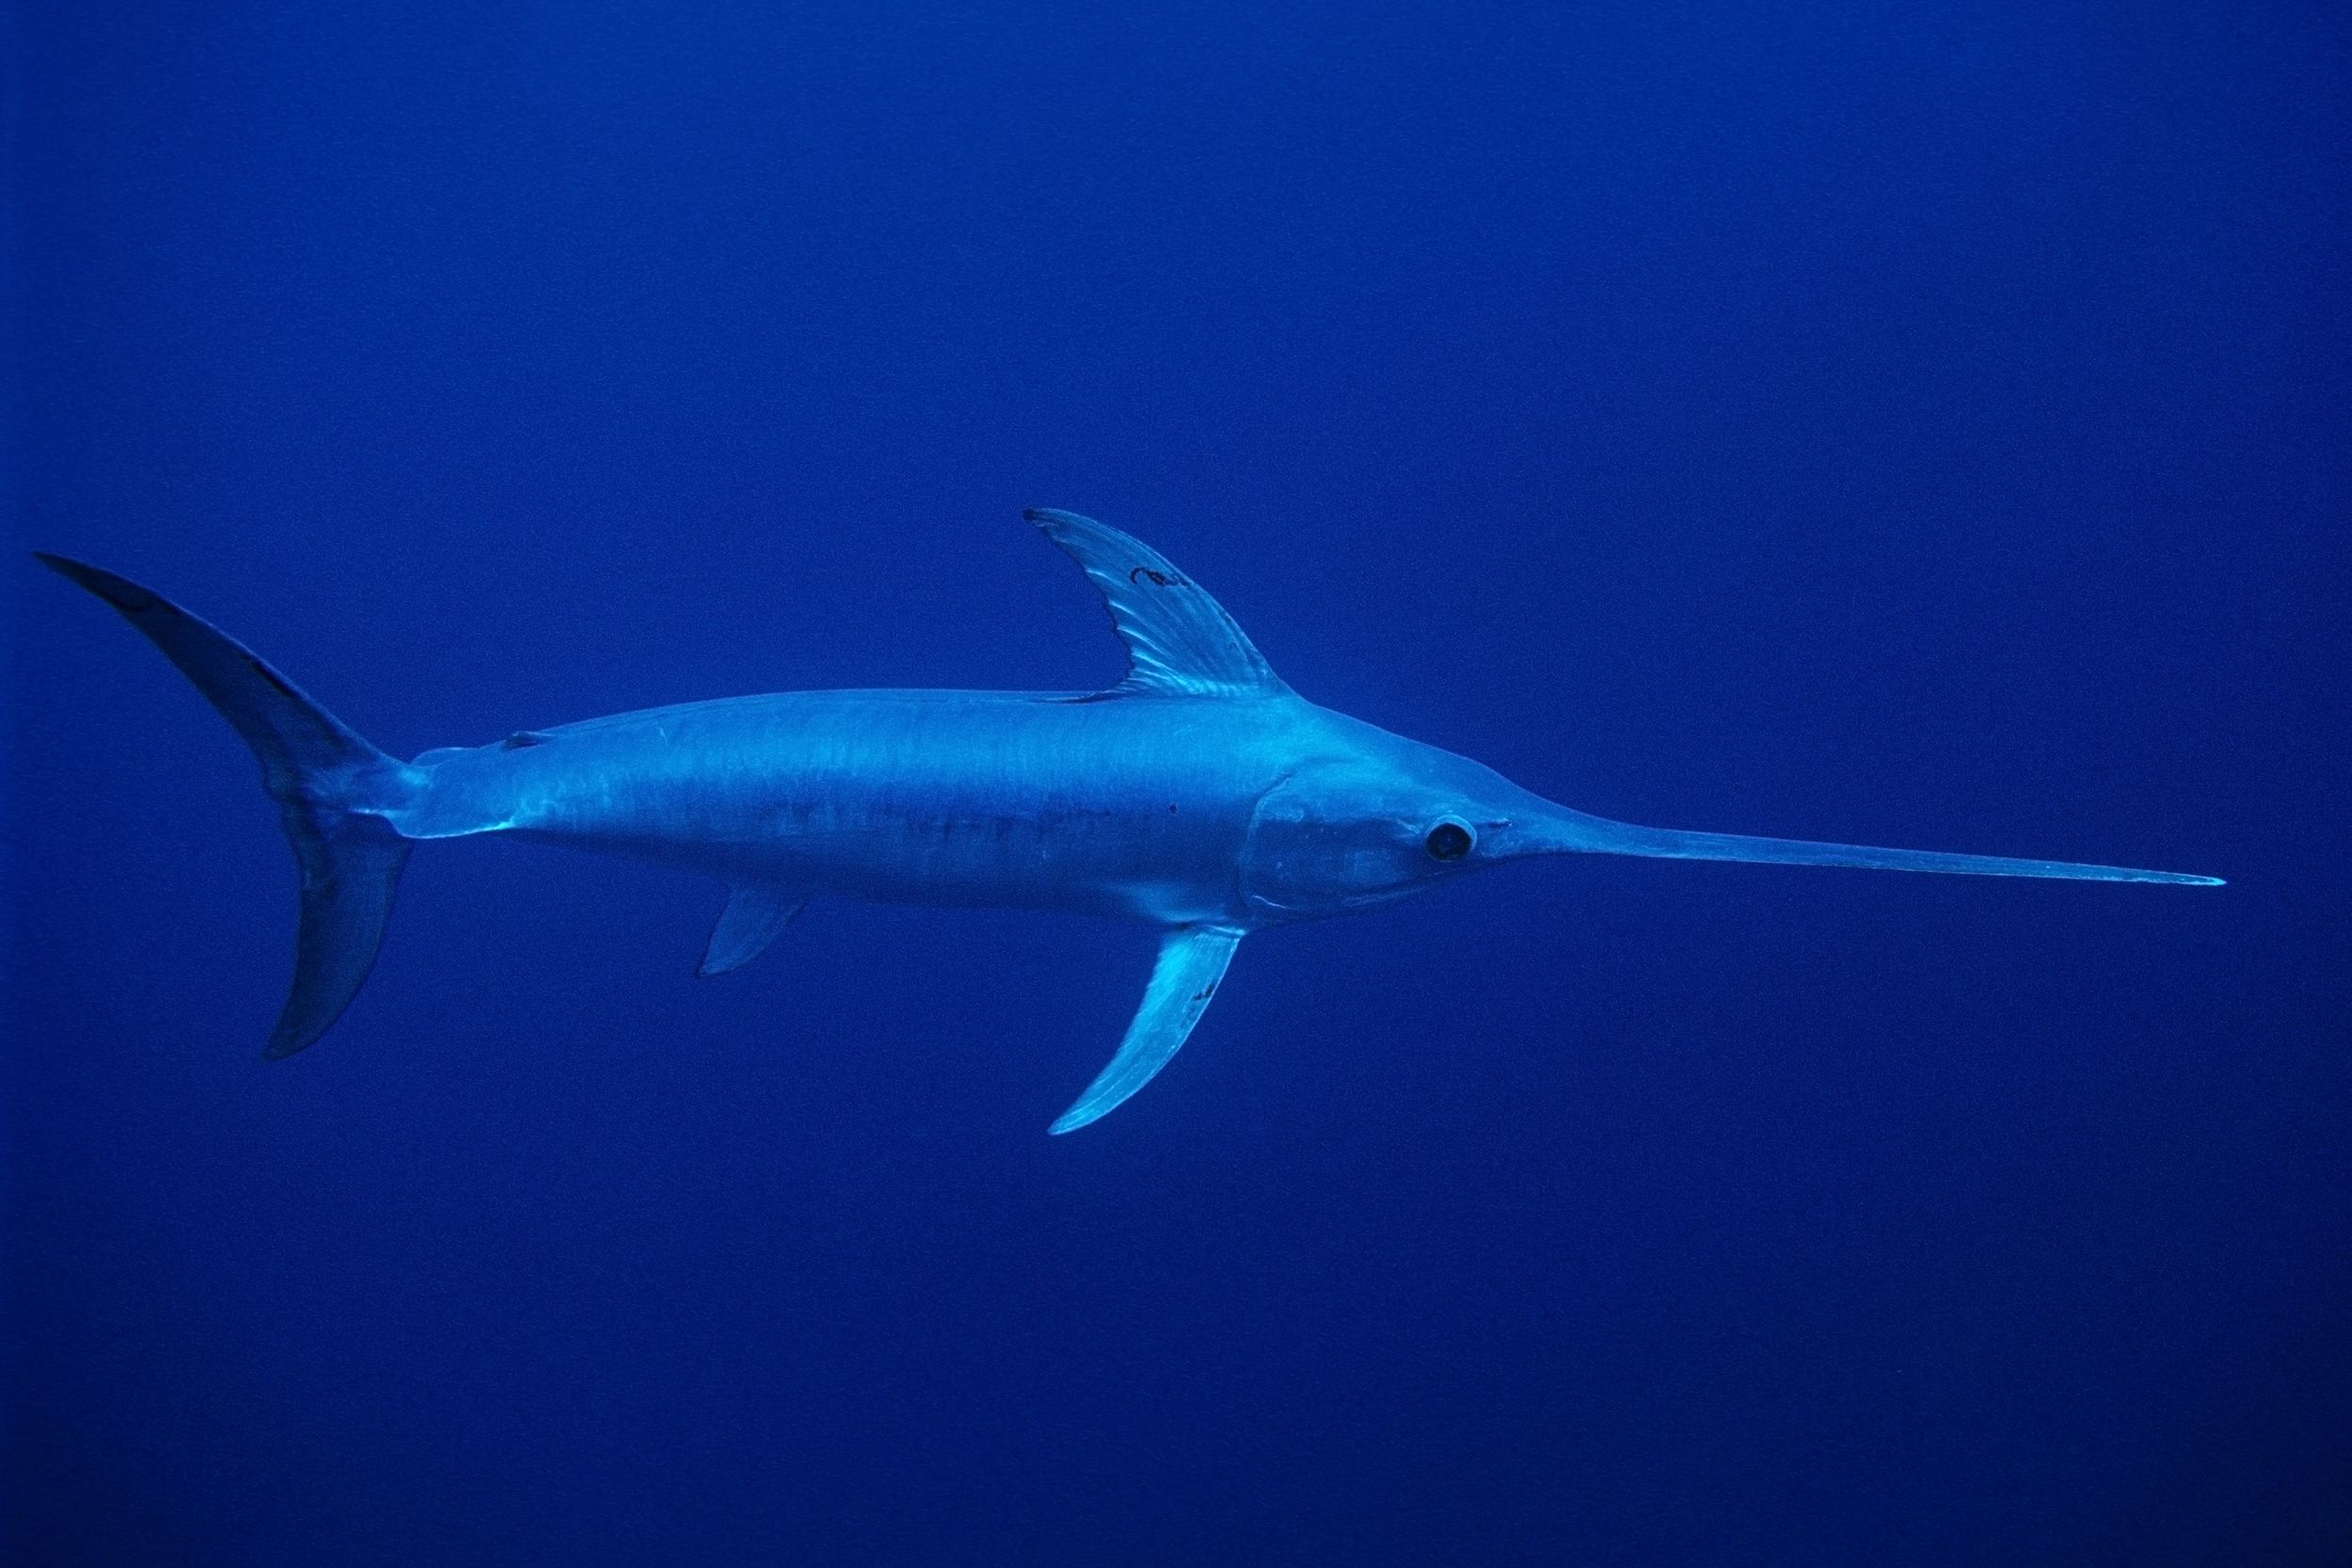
<point>1158,580</point>
<point>521,739</point>
<point>1205,992</point>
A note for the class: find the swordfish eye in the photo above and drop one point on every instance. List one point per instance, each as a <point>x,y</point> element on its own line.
<point>1450,840</point>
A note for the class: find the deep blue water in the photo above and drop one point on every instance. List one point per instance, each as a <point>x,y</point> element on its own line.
<point>1844,422</point>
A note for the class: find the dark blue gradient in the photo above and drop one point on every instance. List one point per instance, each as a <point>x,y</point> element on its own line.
<point>1900,425</point>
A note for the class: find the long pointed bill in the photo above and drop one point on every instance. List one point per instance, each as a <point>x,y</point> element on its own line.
<point>1573,832</point>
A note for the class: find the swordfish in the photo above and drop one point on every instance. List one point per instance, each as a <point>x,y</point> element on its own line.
<point>1199,796</point>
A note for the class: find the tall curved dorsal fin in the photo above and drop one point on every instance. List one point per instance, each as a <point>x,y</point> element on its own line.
<point>1180,641</point>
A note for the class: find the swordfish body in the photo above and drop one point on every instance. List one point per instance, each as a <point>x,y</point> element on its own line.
<point>1137,810</point>
<point>1199,796</point>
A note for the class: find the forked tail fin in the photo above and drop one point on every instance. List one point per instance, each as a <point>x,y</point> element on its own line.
<point>329,785</point>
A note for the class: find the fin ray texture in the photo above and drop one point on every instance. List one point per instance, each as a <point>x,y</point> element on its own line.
<point>1178,640</point>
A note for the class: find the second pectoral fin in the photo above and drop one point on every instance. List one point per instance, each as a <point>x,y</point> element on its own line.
<point>754,918</point>
<point>1192,961</point>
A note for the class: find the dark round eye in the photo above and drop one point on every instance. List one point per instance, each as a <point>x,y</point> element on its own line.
<point>1448,841</point>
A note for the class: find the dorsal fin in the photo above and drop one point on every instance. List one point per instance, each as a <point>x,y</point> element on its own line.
<point>1180,641</point>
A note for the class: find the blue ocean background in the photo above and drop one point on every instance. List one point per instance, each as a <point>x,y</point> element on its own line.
<point>1908,425</point>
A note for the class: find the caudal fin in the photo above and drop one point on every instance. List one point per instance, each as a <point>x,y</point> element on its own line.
<point>329,785</point>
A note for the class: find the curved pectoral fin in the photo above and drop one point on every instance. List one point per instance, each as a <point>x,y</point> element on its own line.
<point>1192,961</point>
<point>755,917</point>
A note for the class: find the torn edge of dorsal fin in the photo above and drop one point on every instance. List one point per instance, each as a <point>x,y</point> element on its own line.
<point>1180,641</point>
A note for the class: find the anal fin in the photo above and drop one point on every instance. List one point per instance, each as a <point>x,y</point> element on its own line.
<point>755,917</point>
<point>1192,961</point>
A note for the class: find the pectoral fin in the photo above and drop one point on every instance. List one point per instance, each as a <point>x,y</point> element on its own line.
<point>755,917</point>
<point>1192,961</point>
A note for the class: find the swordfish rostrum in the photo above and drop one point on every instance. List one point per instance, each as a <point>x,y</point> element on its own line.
<point>1199,796</point>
